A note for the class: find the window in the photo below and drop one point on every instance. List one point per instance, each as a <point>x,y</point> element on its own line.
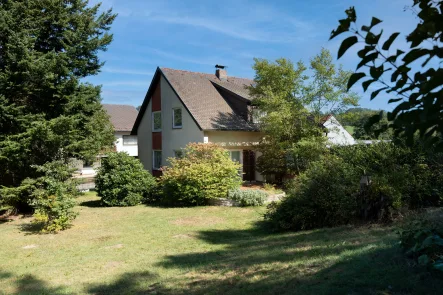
<point>156,160</point>
<point>129,140</point>
<point>178,154</point>
<point>156,121</point>
<point>235,156</point>
<point>177,118</point>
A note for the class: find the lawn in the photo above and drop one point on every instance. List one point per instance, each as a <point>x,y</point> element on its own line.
<point>204,250</point>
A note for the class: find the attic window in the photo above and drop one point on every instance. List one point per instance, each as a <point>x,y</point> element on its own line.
<point>177,118</point>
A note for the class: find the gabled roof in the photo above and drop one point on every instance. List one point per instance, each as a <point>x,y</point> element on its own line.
<point>121,116</point>
<point>200,94</point>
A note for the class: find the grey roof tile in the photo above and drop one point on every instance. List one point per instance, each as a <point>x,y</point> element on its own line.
<point>122,116</point>
<point>207,105</point>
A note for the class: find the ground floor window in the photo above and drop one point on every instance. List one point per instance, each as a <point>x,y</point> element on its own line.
<point>235,156</point>
<point>156,160</point>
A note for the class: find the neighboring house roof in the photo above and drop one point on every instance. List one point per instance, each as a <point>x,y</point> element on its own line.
<point>326,118</point>
<point>207,98</point>
<point>122,116</point>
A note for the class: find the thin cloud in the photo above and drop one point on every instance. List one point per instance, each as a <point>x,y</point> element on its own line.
<point>126,71</point>
<point>249,31</point>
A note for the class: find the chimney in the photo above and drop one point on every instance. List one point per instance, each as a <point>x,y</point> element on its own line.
<point>221,73</point>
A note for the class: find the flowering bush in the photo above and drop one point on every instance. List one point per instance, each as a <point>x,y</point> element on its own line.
<point>205,171</point>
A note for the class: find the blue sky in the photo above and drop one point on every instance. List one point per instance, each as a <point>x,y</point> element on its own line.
<point>196,35</point>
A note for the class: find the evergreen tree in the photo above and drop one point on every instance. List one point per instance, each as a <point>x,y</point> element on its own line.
<point>46,112</point>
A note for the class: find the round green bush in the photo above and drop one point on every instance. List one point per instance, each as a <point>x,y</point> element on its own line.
<point>122,181</point>
<point>324,195</point>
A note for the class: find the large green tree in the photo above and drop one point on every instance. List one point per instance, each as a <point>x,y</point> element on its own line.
<point>411,78</point>
<point>46,113</point>
<point>292,105</point>
<point>326,90</point>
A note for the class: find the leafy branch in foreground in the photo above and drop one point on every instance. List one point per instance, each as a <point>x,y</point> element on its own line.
<point>413,77</point>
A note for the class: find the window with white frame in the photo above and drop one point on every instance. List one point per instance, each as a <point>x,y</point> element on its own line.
<point>156,121</point>
<point>178,154</point>
<point>156,160</point>
<point>177,118</point>
<point>129,140</point>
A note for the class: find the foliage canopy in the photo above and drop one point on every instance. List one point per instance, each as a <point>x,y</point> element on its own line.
<point>46,113</point>
<point>412,78</point>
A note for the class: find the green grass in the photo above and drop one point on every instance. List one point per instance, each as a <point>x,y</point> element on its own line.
<point>204,250</point>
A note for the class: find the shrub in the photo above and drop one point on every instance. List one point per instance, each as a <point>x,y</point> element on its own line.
<point>54,211</point>
<point>324,195</point>
<point>413,175</point>
<point>54,196</point>
<point>51,196</point>
<point>248,197</point>
<point>422,239</point>
<point>18,198</point>
<point>328,193</point>
<point>205,171</point>
<point>122,181</point>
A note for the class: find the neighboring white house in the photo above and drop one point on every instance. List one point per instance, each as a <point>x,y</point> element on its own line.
<point>337,134</point>
<point>122,118</point>
<point>182,107</point>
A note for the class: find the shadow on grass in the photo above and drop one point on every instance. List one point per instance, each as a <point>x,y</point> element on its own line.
<point>329,261</point>
<point>92,203</point>
<point>129,283</point>
<point>342,260</point>
<point>29,284</point>
<point>31,227</point>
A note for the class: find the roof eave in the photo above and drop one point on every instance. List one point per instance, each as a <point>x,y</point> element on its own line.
<point>158,73</point>
<point>145,102</point>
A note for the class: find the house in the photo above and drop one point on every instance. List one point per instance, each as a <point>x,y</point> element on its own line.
<point>182,107</point>
<point>122,118</point>
<point>336,133</point>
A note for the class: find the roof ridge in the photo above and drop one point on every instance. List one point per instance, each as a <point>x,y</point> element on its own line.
<point>118,104</point>
<point>192,72</point>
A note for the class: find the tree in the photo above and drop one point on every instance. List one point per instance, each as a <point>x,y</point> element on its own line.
<point>292,108</point>
<point>277,93</point>
<point>326,91</point>
<point>416,93</point>
<point>46,112</point>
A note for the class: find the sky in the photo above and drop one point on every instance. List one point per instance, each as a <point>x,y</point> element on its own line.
<point>196,35</point>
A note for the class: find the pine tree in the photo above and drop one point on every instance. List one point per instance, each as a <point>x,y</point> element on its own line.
<point>46,112</point>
